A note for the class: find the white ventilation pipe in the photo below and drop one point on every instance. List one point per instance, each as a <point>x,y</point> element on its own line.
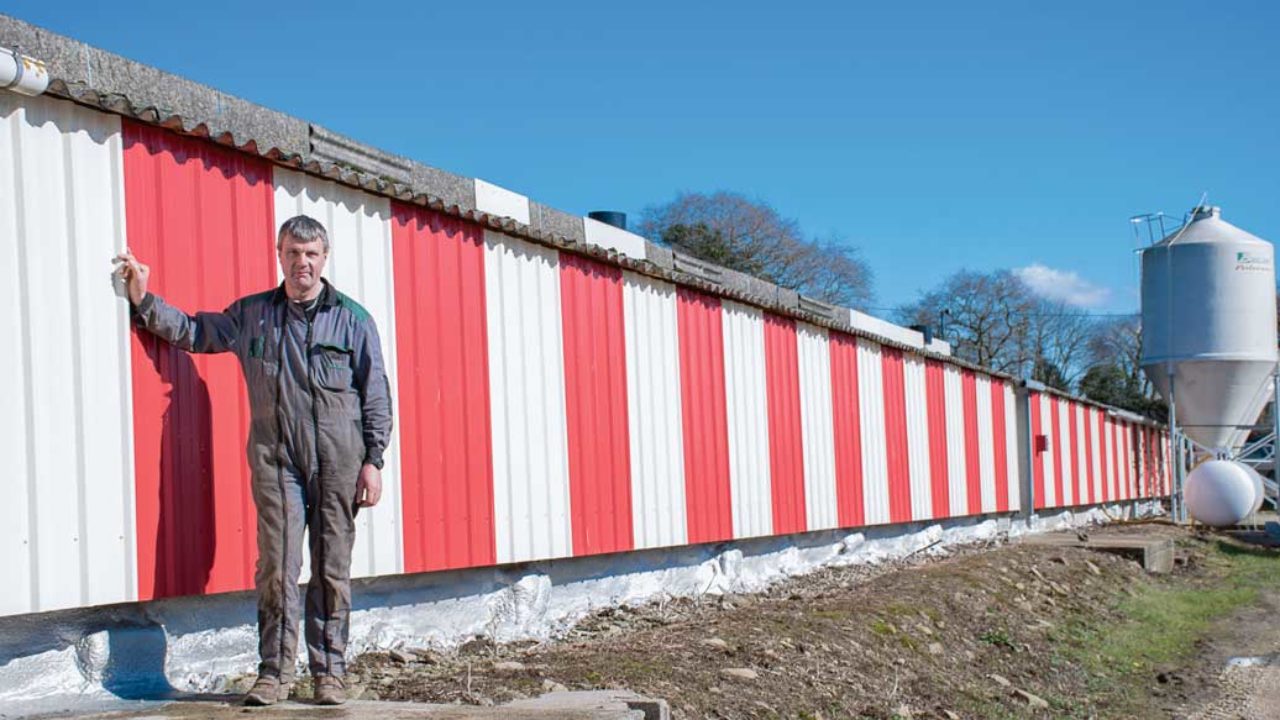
<point>21,74</point>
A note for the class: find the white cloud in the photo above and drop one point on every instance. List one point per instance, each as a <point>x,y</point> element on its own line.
<point>1062,285</point>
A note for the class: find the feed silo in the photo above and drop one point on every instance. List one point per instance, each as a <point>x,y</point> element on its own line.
<point>1209,327</point>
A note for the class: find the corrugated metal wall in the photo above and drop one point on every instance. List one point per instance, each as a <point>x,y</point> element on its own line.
<point>1103,458</point>
<point>547,405</point>
<point>202,217</point>
<point>527,400</point>
<point>704,412</point>
<point>918,449</point>
<point>846,424</point>
<point>595,371</point>
<point>443,399</point>
<point>786,450</point>
<point>871,420</point>
<point>66,525</point>
<point>957,442</point>
<point>655,421</point>
<point>817,424</point>
<point>747,415</point>
<point>939,449</point>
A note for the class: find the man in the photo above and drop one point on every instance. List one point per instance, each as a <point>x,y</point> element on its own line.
<point>321,418</point>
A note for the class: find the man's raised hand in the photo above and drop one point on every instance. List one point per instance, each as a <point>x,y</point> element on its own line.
<point>135,275</point>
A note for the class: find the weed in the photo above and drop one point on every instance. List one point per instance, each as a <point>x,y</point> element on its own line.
<point>998,638</point>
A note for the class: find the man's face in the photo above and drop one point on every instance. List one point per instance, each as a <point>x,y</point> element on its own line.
<point>301,262</point>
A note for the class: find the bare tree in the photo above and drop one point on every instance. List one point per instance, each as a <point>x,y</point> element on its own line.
<point>751,236</point>
<point>1118,342</point>
<point>985,317</point>
<point>1059,338</point>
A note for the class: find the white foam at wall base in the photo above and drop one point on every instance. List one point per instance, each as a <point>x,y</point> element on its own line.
<point>199,644</point>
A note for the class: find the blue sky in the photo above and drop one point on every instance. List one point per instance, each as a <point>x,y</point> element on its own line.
<point>932,136</point>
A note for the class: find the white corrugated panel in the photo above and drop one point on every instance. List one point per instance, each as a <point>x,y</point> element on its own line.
<point>875,462</point>
<point>527,402</point>
<point>986,445</point>
<point>917,406</point>
<point>747,413</point>
<point>957,470</point>
<point>1065,450</point>
<point>67,528</point>
<point>359,265</point>
<point>1012,454</point>
<point>1110,469</point>
<point>816,423</point>
<point>654,420</point>
<point>1127,433</point>
<point>1082,479</point>
<point>1046,458</point>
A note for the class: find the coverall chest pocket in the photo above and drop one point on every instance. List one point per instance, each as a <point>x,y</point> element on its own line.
<point>332,365</point>
<point>258,365</point>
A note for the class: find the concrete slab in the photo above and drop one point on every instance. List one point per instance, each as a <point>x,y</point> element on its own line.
<point>1155,554</point>
<point>590,705</point>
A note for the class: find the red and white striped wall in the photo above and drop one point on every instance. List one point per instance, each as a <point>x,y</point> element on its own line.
<point>547,405</point>
<point>1084,453</point>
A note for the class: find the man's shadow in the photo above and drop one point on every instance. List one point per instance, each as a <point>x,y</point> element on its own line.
<point>185,533</point>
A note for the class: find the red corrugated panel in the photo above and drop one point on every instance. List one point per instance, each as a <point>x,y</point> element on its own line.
<point>1088,456</point>
<point>1001,440</point>
<point>786,450</point>
<point>1055,443</point>
<point>202,217</point>
<point>972,463</point>
<point>897,454</point>
<point>935,388</point>
<point>1074,432</point>
<point>1037,453</point>
<point>596,402</point>
<point>708,503</point>
<point>847,427</point>
<point>443,395</point>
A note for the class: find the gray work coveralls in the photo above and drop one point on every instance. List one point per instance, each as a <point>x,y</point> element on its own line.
<point>321,408</point>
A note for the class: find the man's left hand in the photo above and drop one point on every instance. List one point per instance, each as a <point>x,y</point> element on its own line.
<point>369,486</point>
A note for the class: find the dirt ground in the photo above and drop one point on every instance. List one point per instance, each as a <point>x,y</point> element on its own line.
<point>991,631</point>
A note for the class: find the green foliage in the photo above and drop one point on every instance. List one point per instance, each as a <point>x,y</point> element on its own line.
<point>1161,626</point>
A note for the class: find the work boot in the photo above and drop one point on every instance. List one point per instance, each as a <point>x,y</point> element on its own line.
<point>267,691</point>
<point>330,690</point>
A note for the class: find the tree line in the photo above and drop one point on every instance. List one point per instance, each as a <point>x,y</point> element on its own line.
<point>992,319</point>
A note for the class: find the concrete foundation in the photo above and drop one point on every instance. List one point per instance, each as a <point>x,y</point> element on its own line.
<point>95,658</point>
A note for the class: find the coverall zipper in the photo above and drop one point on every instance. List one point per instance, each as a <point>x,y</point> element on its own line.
<point>319,505</point>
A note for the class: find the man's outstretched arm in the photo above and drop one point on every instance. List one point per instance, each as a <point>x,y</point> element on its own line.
<point>203,332</point>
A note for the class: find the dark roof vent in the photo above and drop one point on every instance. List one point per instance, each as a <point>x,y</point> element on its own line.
<point>610,217</point>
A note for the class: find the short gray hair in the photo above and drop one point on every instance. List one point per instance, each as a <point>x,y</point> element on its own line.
<point>303,228</point>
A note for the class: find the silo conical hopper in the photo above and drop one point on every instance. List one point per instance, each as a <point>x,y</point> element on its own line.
<point>1209,317</point>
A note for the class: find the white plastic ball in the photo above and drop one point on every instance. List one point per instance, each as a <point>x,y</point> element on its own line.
<point>1222,493</point>
<point>1258,488</point>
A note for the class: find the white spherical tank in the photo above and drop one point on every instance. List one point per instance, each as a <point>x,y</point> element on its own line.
<point>1209,317</point>
<point>1222,493</point>
<point>1259,487</point>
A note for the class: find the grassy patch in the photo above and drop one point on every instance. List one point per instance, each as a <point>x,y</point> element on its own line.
<point>1160,623</point>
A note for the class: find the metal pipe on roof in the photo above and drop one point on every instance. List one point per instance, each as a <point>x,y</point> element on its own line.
<point>22,74</point>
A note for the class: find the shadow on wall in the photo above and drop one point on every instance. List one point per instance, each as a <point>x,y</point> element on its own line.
<point>186,535</point>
